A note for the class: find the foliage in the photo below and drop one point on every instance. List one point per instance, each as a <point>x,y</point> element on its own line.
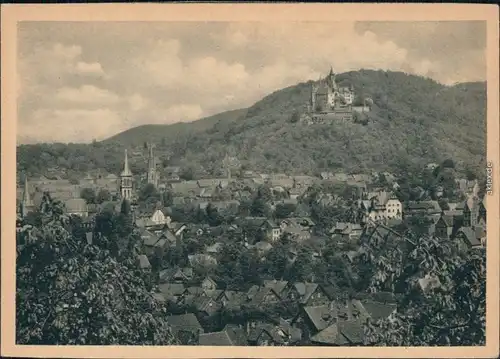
<point>450,313</point>
<point>73,292</point>
<point>89,195</point>
<point>103,196</point>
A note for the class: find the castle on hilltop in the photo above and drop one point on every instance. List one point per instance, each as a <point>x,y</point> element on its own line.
<point>330,100</point>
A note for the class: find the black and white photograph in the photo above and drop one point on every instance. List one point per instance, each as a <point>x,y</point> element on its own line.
<point>252,183</point>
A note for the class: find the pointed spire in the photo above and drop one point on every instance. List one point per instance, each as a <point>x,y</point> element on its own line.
<point>26,194</point>
<point>126,170</point>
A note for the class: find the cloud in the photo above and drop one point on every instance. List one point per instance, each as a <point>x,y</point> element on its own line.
<point>137,102</point>
<point>87,94</point>
<point>185,71</point>
<point>93,68</point>
<point>72,125</point>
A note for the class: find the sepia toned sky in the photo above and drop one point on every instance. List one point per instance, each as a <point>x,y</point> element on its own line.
<point>83,81</point>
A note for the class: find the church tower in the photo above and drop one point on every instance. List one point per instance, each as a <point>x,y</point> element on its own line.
<point>314,88</point>
<point>27,204</point>
<point>126,180</point>
<point>152,174</point>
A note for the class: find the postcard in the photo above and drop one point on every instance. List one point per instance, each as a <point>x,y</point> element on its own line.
<point>250,180</point>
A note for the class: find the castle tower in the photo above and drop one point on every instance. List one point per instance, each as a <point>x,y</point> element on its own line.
<point>27,204</point>
<point>126,180</point>
<point>152,174</point>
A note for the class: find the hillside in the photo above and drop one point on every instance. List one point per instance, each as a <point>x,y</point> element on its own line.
<point>414,121</point>
<point>156,133</point>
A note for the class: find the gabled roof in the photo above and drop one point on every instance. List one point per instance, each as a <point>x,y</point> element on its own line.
<point>277,286</point>
<point>171,289</point>
<point>341,334</point>
<point>204,304</point>
<point>196,291</point>
<point>149,238</point>
<point>305,290</point>
<point>216,338</point>
<point>447,220</point>
<point>320,316</point>
<point>471,235</point>
<point>378,310</point>
<point>252,291</point>
<point>187,322</point>
<point>237,334</point>
<point>261,294</point>
<point>143,261</point>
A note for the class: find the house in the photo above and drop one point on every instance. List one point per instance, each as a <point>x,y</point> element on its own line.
<point>204,260</point>
<point>262,247</point>
<point>471,211</point>
<point>185,325</point>
<point>159,218</point>
<point>149,241</point>
<point>177,228</point>
<point>76,206</point>
<point>172,291</point>
<point>176,275</point>
<point>428,283</point>
<point>264,296</point>
<point>206,306</point>
<point>377,310</point>
<point>444,227</point>
<point>231,299</point>
<point>284,182</point>
<point>317,318</point>
<point>272,230</point>
<point>308,294</point>
<point>482,209</point>
<point>382,206</point>
<point>304,181</point>
<point>214,248</point>
<point>272,332</point>
<point>225,337</point>
<point>185,189</point>
<point>280,287</point>
<point>432,166</point>
<point>427,208</point>
<point>208,284</point>
<point>270,335</point>
<point>468,237</point>
<point>295,193</point>
<point>344,333</point>
<point>143,262</point>
<point>206,192</point>
<point>296,233</point>
<point>347,231</point>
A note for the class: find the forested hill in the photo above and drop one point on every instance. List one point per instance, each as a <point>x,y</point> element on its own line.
<point>413,121</point>
<point>158,133</point>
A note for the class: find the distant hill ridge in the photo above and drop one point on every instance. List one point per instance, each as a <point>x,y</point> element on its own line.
<point>414,121</point>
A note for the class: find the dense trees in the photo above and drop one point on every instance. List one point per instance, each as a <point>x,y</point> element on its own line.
<point>74,291</point>
<point>449,312</point>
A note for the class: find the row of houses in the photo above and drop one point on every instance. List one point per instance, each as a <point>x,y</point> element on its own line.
<point>319,317</point>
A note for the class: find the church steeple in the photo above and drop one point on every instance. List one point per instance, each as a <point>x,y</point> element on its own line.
<point>152,174</point>
<point>126,170</point>
<point>126,180</point>
<point>26,203</point>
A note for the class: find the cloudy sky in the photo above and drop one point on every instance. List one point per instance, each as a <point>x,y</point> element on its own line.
<point>83,81</point>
